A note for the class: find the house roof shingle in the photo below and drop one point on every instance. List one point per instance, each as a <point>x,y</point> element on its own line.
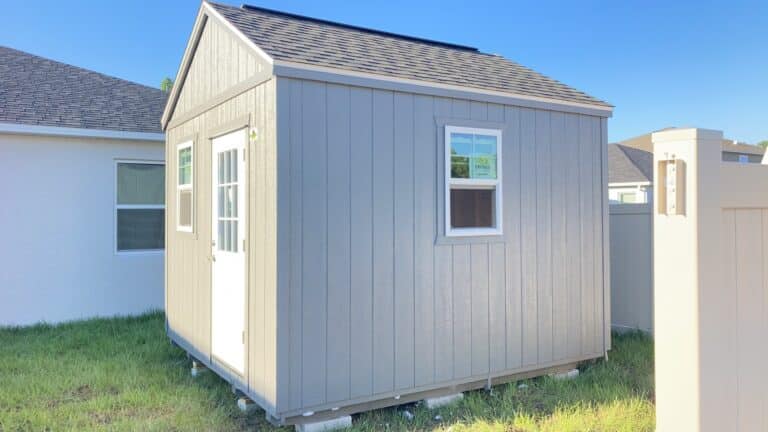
<point>309,41</point>
<point>43,92</point>
<point>629,165</point>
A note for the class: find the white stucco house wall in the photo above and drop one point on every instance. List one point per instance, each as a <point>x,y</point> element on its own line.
<point>82,174</point>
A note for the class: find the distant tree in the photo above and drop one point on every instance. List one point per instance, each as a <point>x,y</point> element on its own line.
<point>166,84</point>
<point>763,144</point>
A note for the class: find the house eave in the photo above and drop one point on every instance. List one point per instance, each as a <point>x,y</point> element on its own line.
<point>23,129</point>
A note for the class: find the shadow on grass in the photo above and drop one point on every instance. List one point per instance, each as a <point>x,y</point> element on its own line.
<point>123,374</point>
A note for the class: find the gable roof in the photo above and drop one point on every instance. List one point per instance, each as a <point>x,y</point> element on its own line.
<point>41,92</point>
<point>314,42</point>
<point>295,45</point>
<point>629,165</point>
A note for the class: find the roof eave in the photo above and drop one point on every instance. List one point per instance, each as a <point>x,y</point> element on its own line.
<point>324,73</point>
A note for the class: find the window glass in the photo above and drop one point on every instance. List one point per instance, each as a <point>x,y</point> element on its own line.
<point>473,156</point>
<point>185,166</point>
<point>140,208</point>
<point>140,183</point>
<point>472,208</point>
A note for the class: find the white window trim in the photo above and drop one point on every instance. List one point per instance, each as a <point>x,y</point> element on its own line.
<point>189,187</point>
<point>133,206</point>
<point>450,183</point>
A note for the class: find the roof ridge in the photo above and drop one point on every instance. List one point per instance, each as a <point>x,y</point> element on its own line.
<point>89,71</point>
<point>360,28</point>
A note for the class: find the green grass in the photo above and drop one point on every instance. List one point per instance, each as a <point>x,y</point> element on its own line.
<point>122,374</point>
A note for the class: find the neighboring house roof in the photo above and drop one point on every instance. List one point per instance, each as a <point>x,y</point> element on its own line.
<point>314,42</point>
<point>644,142</point>
<point>41,92</point>
<point>629,165</point>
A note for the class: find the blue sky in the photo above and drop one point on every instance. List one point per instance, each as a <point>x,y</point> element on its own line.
<point>661,63</point>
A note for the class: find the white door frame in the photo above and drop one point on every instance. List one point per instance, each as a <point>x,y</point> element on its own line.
<point>228,250</point>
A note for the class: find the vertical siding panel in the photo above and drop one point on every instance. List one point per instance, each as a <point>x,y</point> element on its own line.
<point>573,235</point>
<point>479,288</point>
<point>528,211</point>
<point>461,109</point>
<point>404,240</point>
<point>495,112</point>
<point>559,247</point>
<point>597,227</point>
<point>443,271</point>
<point>296,277</point>
<point>314,227</point>
<point>338,242</point>
<point>497,308</point>
<point>586,167</point>
<point>425,206</point>
<point>283,142</point>
<point>383,242</point>
<point>443,313</point>
<point>480,343</point>
<point>544,234</point>
<point>750,300</point>
<point>512,231</point>
<point>605,227</point>
<point>462,311</point>
<point>361,165</point>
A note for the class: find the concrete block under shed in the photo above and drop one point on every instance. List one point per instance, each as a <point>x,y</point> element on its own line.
<point>571,374</point>
<point>436,402</point>
<point>326,425</point>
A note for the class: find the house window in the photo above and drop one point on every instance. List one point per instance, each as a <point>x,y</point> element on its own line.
<point>184,195</point>
<point>628,197</point>
<point>472,181</point>
<point>140,206</point>
<point>743,158</point>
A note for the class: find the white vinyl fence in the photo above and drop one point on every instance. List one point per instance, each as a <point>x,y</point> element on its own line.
<point>711,286</point>
<point>631,267</point>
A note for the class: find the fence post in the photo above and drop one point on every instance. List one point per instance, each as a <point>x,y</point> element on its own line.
<point>693,386</point>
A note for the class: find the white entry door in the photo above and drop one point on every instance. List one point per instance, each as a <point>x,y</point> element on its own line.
<point>228,256</point>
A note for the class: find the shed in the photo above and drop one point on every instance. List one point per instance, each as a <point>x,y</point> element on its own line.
<point>81,164</point>
<point>358,219</point>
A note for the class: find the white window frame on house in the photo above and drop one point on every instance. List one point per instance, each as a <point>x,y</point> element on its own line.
<point>185,187</point>
<point>469,183</point>
<point>133,206</point>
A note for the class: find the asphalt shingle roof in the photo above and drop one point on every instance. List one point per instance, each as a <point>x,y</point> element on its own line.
<point>629,165</point>
<point>293,38</point>
<point>43,92</point>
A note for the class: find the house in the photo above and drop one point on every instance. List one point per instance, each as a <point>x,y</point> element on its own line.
<point>733,150</point>
<point>359,219</point>
<point>630,174</point>
<point>630,166</point>
<point>81,163</point>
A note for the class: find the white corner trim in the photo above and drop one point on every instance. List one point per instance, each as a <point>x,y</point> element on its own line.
<point>213,12</point>
<point>21,129</point>
<point>282,67</point>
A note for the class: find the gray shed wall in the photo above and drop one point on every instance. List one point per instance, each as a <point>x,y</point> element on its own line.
<point>373,301</point>
<point>220,101</point>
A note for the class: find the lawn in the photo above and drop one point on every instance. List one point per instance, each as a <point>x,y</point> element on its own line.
<point>122,374</point>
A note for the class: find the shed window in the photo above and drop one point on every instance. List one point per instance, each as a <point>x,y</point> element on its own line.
<point>184,187</point>
<point>140,206</point>
<point>473,181</point>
